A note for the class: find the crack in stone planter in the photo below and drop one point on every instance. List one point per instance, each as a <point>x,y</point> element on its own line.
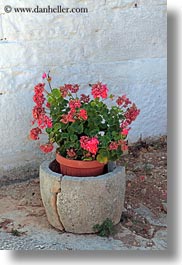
<point>50,187</point>
<point>76,204</point>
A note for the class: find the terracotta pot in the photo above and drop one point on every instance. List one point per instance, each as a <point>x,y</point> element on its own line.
<point>79,168</point>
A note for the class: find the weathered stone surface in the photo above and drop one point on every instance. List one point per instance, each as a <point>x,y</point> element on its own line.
<point>134,242</point>
<point>76,204</point>
<point>146,213</point>
<point>160,239</point>
<point>50,186</point>
<point>85,202</point>
<point>111,166</point>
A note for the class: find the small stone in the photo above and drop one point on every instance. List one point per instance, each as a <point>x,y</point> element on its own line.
<point>130,175</point>
<point>42,247</point>
<point>9,229</point>
<point>150,232</point>
<point>164,206</point>
<point>150,148</point>
<point>129,185</point>
<point>138,166</point>
<point>143,150</point>
<point>149,166</point>
<point>40,212</point>
<point>150,244</point>
<point>160,239</point>
<point>129,223</point>
<point>143,191</point>
<point>23,202</point>
<point>141,166</point>
<point>36,181</point>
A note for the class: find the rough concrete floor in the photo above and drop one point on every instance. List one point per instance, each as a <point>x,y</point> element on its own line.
<point>24,226</point>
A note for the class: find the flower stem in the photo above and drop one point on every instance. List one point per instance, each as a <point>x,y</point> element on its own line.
<point>49,82</point>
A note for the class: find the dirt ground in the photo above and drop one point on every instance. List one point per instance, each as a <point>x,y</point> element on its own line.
<point>146,173</point>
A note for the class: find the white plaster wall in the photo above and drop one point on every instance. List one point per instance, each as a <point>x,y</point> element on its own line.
<point>114,42</point>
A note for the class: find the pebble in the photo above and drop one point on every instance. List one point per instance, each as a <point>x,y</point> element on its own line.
<point>138,166</point>
<point>150,244</point>
<point>128,207</point>
<point>150,232</point>
<point>141,166</point>
<point>150,148</point>
<point>149,166</point>
<point>143,191</point>
<point>129,223</point>
<point>42,247</point>
<point>129,185</point>
<point>23,202</point>
<point>36,181</point>
<point>164,206</point>
<point>130,175</point>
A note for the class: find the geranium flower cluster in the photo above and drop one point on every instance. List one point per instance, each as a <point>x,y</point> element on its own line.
<point>89,144</point>
<point>71,153</point>
<point>83,126</point>
<point>34,133</point>
<point>118,144</point>
<point>38,111</point>
<point>123,101</point>
<point>67,88</point>
<point>74,113</point>
<point>40,117</point>
<point>99,90</point>
<point>46,148</point>
<point>131,113</point>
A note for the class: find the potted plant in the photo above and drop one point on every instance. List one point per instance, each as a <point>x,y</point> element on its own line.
<point>87,131</point>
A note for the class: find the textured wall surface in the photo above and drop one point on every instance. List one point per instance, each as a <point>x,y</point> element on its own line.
<point>115,42</point>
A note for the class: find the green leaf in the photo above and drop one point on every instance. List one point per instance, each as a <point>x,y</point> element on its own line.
<point>76,127</point>
<point>57,126</point>
<point>56,93</point>
<point>73,137</point>
<point>48,130</point>
<point>103,152</point>
<point>93,103</point>
<point>50,99</point>
<point>64,135</point>
<point>87,159</point>
<point>94,132</point>
<point>102,159</point>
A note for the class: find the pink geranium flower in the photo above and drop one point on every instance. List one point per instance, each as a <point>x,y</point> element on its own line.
<point>44,75</point>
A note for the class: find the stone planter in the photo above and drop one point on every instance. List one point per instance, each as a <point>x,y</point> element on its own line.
<point>76,204</point>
